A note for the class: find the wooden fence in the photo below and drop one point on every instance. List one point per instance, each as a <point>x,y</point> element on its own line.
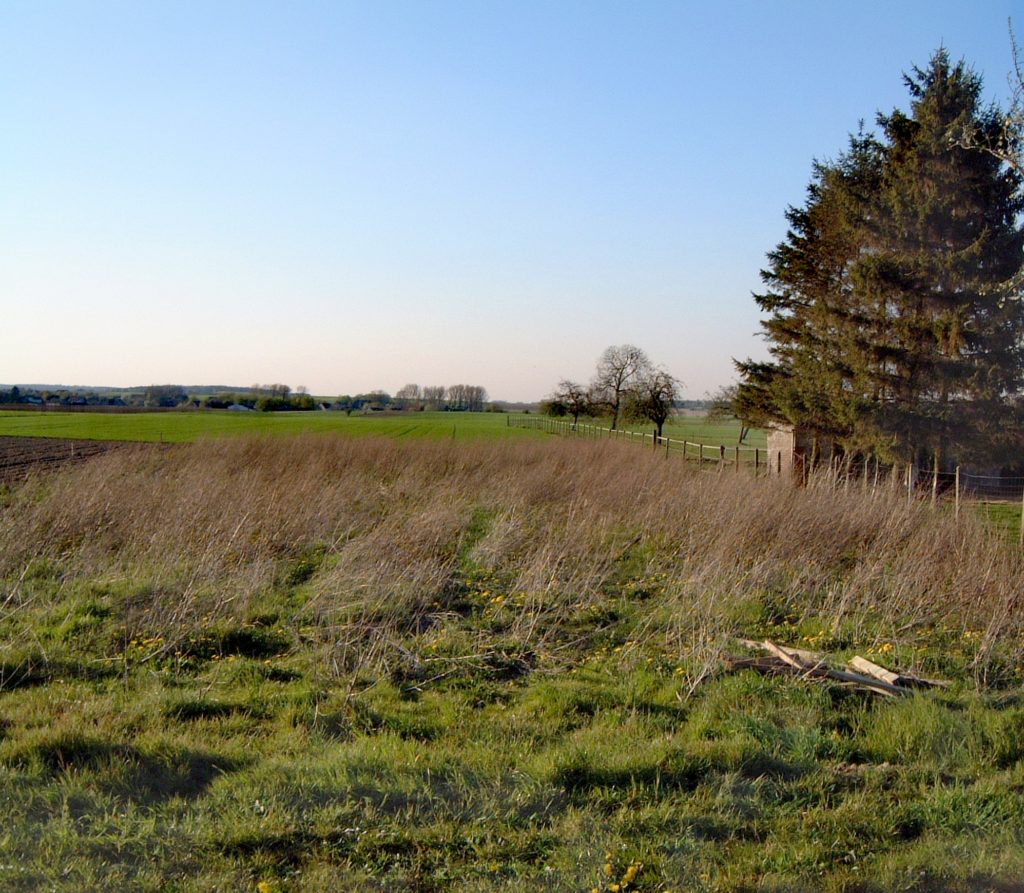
<point>954,487</point>
<point>735,457</point>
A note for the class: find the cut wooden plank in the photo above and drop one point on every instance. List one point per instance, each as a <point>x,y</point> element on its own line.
<point>780,666</point>
<point>809,656</point>
<point>783,655</point>
<point>804,660</point>
<point>863,665</point>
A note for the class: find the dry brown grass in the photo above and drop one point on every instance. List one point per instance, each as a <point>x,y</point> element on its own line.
<point>390,532</point>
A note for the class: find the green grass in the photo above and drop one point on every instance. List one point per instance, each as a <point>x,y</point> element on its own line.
<point>229,766</point>
<point>182,427</point>
<point>697,429</point>
<point>1003,516</point>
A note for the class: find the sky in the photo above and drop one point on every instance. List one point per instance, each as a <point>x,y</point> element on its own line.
<point>360,195</point>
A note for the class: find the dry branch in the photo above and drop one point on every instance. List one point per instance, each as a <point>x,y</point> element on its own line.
<point>786,661</point>
<point>904,680</point>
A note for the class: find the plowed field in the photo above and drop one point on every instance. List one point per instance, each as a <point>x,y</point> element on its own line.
<point>21,455</point>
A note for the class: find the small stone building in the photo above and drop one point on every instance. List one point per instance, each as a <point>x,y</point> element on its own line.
<point>791,450</point>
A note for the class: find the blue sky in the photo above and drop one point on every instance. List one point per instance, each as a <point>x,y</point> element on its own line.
<point>358,195</point>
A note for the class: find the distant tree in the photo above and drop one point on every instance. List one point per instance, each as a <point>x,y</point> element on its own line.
<point>374,400</point>
<point>409,396</point>
<point>618,369</point>
<point>477,398</point>
<point>466,398</point>
<point>554,407</point>
<point>165,395</point>
<point>721,407</point>
<point>651,397</point>
<point>573,398</point>
<point>433,397</point>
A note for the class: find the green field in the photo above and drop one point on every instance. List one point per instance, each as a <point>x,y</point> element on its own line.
<point>697,429</point>
<point>183,427</point>
<point>1002,516</point>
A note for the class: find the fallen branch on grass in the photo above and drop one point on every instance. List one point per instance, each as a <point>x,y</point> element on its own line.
<point>904,680</point>
<point>810,665</point>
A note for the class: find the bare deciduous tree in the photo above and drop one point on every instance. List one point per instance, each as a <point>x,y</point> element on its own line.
<point>618,369</point>
<point>574,397</point>
<point>467,397</point>
<point>1007,143</point>
<point>408,396</point>
<point>433,396</point>
<point>652,397</point>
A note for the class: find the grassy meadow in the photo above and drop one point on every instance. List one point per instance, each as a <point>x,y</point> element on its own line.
<point>188,426</point>
<point>322,663</point>
<point>182,427</point>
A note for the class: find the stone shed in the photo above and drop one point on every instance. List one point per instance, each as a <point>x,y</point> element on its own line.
<point>791,450</point>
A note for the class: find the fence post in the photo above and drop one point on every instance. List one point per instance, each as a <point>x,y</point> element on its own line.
<point>736,460</point>
<point>700,454</point>
<point>956,511</point>
<point>668,443</point>
<point>721,456</point>
<point>1020,538</point>
<point>757,456</point>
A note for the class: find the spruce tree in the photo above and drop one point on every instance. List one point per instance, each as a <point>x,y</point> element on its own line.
<point>894,323</point>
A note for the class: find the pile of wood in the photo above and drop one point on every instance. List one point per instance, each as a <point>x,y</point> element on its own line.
<point>860,673</point>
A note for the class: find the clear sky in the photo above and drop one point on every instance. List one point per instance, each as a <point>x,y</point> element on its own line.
<point>358,195</point>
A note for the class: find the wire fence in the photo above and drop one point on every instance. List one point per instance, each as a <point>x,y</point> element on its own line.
<point>1002,495</point>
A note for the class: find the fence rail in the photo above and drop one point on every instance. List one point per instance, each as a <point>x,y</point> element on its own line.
<point>735,457</point>
<point>947,487</point>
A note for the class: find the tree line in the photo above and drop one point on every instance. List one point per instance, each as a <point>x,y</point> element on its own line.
<point>265,398</point>
<point>454,398</point>
<point>626,386</point>
<point>893,306</point>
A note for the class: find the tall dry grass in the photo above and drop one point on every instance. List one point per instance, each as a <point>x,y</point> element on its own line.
<point>389,532</point>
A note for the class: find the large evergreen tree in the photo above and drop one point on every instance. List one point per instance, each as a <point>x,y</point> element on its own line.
<point>893,319</point>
